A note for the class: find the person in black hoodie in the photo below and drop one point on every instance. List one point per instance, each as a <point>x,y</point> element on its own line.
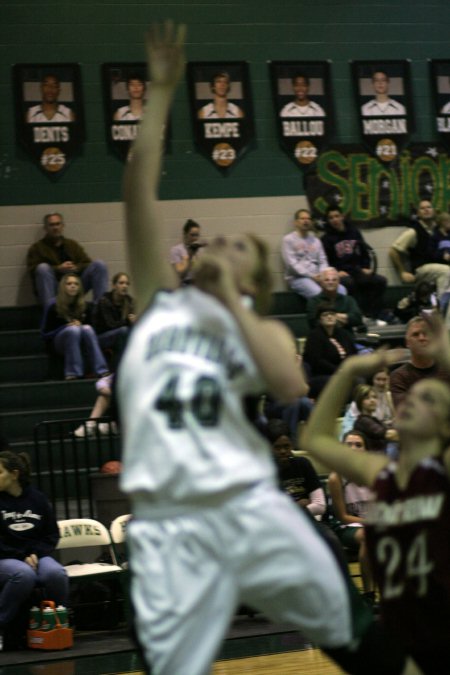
<point>28,537</point>
<point>348,252</point>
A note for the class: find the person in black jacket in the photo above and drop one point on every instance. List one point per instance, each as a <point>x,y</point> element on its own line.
<point>348,252</point>
<point>114,315</point>
<point>326,347</point>
<point>28,537</point>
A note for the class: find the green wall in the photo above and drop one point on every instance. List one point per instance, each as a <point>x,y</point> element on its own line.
<point>253,30</point>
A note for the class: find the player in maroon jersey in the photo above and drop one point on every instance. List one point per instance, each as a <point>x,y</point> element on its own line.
<point>408,531</point>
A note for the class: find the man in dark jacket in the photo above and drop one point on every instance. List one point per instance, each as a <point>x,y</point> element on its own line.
<point>54,255</point>
<point>348,252</point>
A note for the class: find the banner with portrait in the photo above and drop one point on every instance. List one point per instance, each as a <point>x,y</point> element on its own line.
<point>374,194</point>
<point>303,107</point>
<point>221,110</point>
<point>126,89</point>
<point>49,113</point>
<point>440,86</point>
<point>384,104</point>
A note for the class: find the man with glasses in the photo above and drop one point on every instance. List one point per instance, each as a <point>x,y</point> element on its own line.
<point>53,256</point>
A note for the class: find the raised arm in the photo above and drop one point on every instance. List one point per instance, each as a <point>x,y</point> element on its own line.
<point>439,347</point>
<point>147,257</point>
<point>320,435</point>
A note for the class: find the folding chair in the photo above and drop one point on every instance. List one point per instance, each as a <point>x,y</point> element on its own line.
<point>117,530</point>
<point>85,535</point>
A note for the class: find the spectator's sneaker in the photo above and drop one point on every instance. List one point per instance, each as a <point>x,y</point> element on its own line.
<point>87,428</point>
<point>105,427</point>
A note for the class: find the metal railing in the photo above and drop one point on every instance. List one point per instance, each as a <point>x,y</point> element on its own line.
<point>64,464</point>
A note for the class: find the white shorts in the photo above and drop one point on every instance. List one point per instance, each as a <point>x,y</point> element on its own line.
<point>191,572</point>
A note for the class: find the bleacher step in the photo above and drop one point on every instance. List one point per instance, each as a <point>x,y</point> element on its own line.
<point>20,318</point>
<point>25,396</point>
<point>31,368</point>
<point>20,425</point>
<point>21,342</point>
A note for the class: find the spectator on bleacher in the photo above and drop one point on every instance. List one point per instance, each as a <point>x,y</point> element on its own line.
<point>54,255</point>
<point>377,434</point>
<point>304,257</point>
<point>348,313</point>
<point>326,347</point>
<point>349,253</point>
<point>372,400</point>
<point>349,504</point>
<point>296,475</point>
<point>385,406</point>
<point>28,538</point>
<point>420,364</point>
<point>182,255</point>
<point>114,315</point>
<point>66,325</point>
<point>416,248</point>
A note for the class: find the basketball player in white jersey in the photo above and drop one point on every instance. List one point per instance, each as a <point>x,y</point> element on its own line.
<point>210,529</point>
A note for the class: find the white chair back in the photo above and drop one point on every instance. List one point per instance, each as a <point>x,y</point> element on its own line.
<point>82,532</point>
<point>118,528</point>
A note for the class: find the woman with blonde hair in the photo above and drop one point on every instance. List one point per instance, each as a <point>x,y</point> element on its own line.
<point>66,326</point>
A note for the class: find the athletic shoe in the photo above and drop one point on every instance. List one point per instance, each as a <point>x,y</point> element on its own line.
<point>87,428</point>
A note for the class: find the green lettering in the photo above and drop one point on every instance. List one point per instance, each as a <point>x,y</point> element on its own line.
<point>405,182</point>
<point>327,175</point>
<point>420,166</point>
<point>443,200</point>
<point>377,173</point>
<point>359,185</point>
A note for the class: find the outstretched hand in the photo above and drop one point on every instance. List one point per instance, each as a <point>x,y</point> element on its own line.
<point>367,364</point>
<point>165,52</point>
<point>439,346</point>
